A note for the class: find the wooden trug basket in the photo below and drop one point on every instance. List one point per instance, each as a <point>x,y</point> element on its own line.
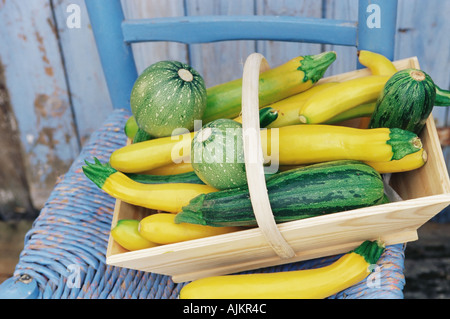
<point>425,192</point>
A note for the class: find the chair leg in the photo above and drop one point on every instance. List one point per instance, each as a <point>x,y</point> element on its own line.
<point>377,26</point>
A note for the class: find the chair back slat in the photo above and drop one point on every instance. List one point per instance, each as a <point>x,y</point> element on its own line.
<point>204,29</point>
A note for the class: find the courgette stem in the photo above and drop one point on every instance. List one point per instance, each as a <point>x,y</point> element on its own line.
<point>98,172</point>
<point>370,250</point>
<point>399,147</point>
<point>442,97</point>
<point>315,66</point>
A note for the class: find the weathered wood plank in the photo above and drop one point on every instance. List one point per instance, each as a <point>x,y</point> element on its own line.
<point>36,83</point>
<point>222,61</point>
<point>423,31</point>
<point>149,53</point>
<point>345,56</point>
<point>15,201</point>
<point>277,52</point>
<point>88,91</point>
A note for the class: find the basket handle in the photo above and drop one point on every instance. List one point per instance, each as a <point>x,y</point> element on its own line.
<point>253,156</point>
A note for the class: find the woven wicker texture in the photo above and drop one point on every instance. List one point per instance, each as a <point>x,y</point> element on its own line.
<point>65,249</point>
<point>443,216</point>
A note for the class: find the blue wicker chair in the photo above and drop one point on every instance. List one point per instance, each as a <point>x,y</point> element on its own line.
<point>64,252</point>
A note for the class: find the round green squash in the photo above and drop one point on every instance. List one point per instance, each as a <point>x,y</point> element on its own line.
<point>130,127</point>
<point>217,154</point>
<point>168,95</point>
<point>405,102</point>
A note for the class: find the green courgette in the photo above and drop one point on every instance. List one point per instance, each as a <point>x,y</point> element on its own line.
<point>166,96</point>
<point>405,102</point>
<point>309,191</point>
<point>217,154</point>
<point>442,97</point>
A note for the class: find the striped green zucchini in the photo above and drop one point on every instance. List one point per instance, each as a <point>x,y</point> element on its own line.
<point>442,97</point>
<point>304,192</point>
<point>405,102</point>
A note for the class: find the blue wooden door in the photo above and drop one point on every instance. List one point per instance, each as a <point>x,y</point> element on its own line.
<point>56,93</point>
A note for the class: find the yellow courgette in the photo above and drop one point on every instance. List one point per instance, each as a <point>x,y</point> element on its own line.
<point>151,154</point>
<point>363,110</point>
<point>317,283</point>
<point>126,234</point>
<point>288,108</point>
<point>408,163</point>
<point>160,228</point>
<point>173,168</point>
<point>305,144</point>
<point>340,98</point>
<point>169,197</point>
<point>292,77</point>
<point>289,145</point>
<point>377,63</point>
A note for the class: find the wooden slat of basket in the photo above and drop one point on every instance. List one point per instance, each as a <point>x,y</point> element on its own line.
<point>310,238</point>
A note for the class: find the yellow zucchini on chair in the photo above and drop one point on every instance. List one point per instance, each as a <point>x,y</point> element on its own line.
<point>290,145</point>
<point>160,228</point>
<point>360,111</point>
<point>407,163</point>
<point>151,154</point>
<point>172,168</point>
<point>305,144</point>
<point>292,77</point>
<point>170,197</point>
<point>377,63</point>
<point>126,234</point>
<point>288,108</point>
<point>318,283</point>
<point>340,98</point>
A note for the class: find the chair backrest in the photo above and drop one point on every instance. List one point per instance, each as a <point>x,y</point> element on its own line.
<point>375,31</point>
